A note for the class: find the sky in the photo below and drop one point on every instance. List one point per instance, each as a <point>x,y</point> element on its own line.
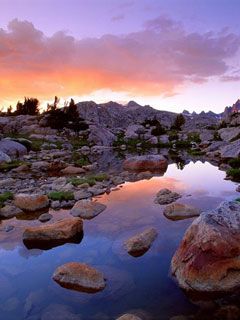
<point>172,55</point>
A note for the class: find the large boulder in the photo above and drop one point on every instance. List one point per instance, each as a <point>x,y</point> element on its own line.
<point>208,258</point>
<point>146,162</point>
<point>66,230</point>
<point>140,243</point>
<point>31,202</point>
<point>229,134</point>
<point>87,209</point>
<point>179,211</point>
<point>100,136</point>
<point>12,148</point>
<point>80,277</point>
<point>231,150</point>
<point>134,131</point>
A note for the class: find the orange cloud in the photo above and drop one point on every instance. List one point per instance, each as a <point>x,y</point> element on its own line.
<point>153,61</point>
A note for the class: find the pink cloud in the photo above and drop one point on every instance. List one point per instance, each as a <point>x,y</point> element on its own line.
<point>153,61</point>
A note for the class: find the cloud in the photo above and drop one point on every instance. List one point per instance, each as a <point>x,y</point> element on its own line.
<point>156,60</point>
<point>118,17</point>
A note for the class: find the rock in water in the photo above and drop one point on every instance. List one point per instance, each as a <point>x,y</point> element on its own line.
<point>128,316</point>
<point>166,196</point>
<point>208,258</point>
<point>140,243</point>
<point>87,209</point>
<point>80,277</point>
<point>146,162</point>
<point>31,202</point>
<point>50,235</point>
<point>9,211</point>
<point>178,211</point>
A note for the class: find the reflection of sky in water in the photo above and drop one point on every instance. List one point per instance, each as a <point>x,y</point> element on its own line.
<point>27,289</point>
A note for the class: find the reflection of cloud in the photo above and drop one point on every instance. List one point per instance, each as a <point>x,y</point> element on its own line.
<point>118,17</point>
<point>154,60</point>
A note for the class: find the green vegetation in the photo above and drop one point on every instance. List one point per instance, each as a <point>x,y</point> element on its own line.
<point>195,152</point>
<point>11,165</point>
<point>216,136</point>
<point>194,136</point>
<point>80,160</point>
<point>91,180</point>
<point>234,173</point>
<point>78,142</point>
<point>4,197</point>
<point>234,163</point>
<point>238,199</point>
<point>178,122</point>
<point>61,195</point>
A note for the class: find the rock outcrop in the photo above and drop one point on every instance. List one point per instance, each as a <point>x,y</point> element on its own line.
<point>80,277</point>
<point>208,258</point>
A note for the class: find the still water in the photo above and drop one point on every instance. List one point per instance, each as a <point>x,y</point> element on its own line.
<point>142,285</point>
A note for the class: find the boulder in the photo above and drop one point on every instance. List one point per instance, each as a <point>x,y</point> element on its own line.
<point>231,150</point>
<point>82,194</point>
<point>140,243</point>
<point>4,157</point>
<point>208,258</point>
<point>87,209</point>
<point>229,134</point>
<point>71,170</point>
<point>100,136</point>
<point>166,196</point>
<point>31,202</point>
<point>9,211</point>
<point>146,162</point>
<point>12,148</point>
<point>80,277</point>
<point>128,316</point>
<point>133,131</point>
<point>179,211</point>
<point>45,217</point>
<point>66,230</point>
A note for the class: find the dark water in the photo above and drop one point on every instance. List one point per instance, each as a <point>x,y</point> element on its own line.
<point>141,285</point>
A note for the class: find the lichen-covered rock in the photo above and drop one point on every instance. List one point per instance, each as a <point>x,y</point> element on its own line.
<point>61,231</point>
<point>140,243</point>
<point>178,211</point>
<point>87,209</point>
<point>80,277</point>
<point>166,196</point>
<point>146,162</point>
<point>208,258</point>
<point>31,202</point>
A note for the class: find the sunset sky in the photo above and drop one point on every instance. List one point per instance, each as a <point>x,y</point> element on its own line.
<point>173,55</point>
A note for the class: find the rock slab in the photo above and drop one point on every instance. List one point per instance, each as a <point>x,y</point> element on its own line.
<point>87,209</point>
<point>179,211</point>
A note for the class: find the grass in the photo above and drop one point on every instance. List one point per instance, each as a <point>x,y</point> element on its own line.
<point>234,173</point>
<point>91,180</point>
<point>194,136</point>
<point>234,163</point>
<point>4,197</point>
<point>61,195</point>
<point>196,152</point>
<point>78,142</point>
<point>11,165</point>
<point>238,199</point>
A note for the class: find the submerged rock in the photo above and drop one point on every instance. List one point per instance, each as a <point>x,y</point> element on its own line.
<point>178,211</point>
<point>140,243</point>
<point>59,312</point>
<point>166,196</point>
<point>87,209</point>
<point>31,202</point>
<point>208,258</point>
<point>56,233</point>
<point>146,162</point>
<point>80,277</point>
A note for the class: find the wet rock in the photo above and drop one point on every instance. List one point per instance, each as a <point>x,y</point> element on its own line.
<point>80,277</point>
<point>146,162</point>
<point>166,196</point>
<point>128,316</point>
<point>71,170</point>
<point>140,243</point>
<point>59,312</point>
<point>31,202</point>
<point>87,209</point>
<point>208,258</point>
<point>56,233</point>
<point>178,211</point>
<point>45,217</point>
<point>9,211</point>
<point>82,194</point>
